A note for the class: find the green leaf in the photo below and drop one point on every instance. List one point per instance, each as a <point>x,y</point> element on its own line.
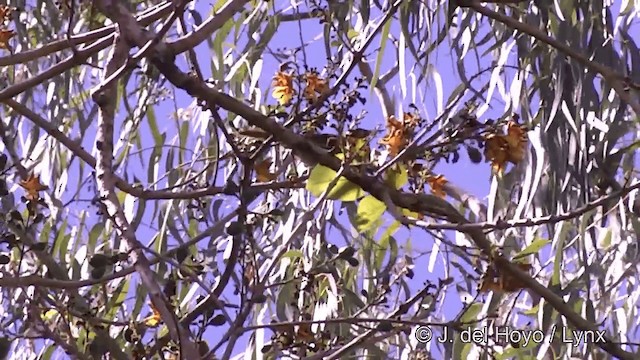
<point>154,158</point>
<point>577,305</point>
<point>407,212</point>
<point>390,231</point>
<point>531,312</point>
<point>549,315</point>
<point>472,312</point>
<point>558,242</point>
<point>365,10</point>
<point>370,209</point>
<point>327,36</point>
<point>292,254</point>
<point>458,91</point>
<point>352,33</point>
<point>184,138</point>
<point>385,243</point>
<point>398,176</point>
<point>383,45</point>
<point>344,190</point>
<point>153,125</point>
<point>533,248</point>
<point>217,59</point>
<point>422,56</point>
<point>117,298</point>
<point>265,37</point>
<point>606,241</point>
<point>173,175</point>
<point>461,349</point>
<point>60,239</point>
<point>284,298</point>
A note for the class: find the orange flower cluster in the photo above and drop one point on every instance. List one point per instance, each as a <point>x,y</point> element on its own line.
<point>399,133</point>
<point>6,16</point>
<point>154,319</point>
<point>283,90</point>
<point>263,174</point>
<point>500,282</point>
<point>33,186</point>
<point>436,183</point>
<point>315,85</point>
<point>283,87</point>
<point>503,148</point>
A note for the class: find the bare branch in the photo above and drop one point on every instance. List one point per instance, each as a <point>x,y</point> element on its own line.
<point>204,31</point>
<point>106,100</point>
<point>545,220</point>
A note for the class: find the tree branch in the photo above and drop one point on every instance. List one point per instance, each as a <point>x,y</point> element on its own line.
<point>106,100</point>
<point>204,31</point>
<point>615,80</point>
<point>144,18</point>
<point>122,184</point>
<point>544,220</point>
<point>422,203</point>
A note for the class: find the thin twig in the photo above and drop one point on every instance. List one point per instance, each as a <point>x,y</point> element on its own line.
<point>544,220</point>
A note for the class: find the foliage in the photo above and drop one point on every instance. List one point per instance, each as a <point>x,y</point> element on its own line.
<point>184,180</point>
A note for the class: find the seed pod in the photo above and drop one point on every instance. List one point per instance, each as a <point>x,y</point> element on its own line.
<point>385,326</point>
<point>100,260</point>
<point>218,320</point>
<point>97,273</point>
<point>474,154</point>
<point>233,228</point>
<point>353,262</point>
<point>347,252</point>
<point>3,161</point>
